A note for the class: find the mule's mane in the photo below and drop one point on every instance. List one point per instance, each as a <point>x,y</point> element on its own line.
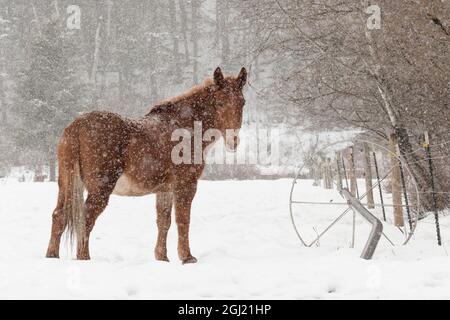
<point>168,105</point>
<point>207,84</point>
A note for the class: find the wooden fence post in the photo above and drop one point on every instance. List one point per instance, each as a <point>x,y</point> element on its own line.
<point>395,182</point>
<point>338,171</point>
<point>327,178</point>
<point>317,168</point>
<point>330,168</point>
<point>351,173</point>
<point>353,189</point>
<point>433,188</point>
<point>368,176</point>
<point>379,186</point>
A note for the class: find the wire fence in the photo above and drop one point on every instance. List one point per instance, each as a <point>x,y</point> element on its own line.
<point>433,160</point>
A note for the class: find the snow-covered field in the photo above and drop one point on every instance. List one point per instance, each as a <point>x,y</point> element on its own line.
<point>241,234</point>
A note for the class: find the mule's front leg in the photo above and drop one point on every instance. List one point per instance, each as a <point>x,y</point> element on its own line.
<point>164,202</point>
<point>183,201</point>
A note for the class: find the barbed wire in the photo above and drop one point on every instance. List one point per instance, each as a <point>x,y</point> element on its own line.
<point>426,159</point>
<point>431,146</point>
<point>432,223</point>
<point>440,192</point>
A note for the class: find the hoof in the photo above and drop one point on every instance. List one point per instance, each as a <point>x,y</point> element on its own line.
<point>83,258</point>
<point>162,258</point>
<point>161,255</point>
<point>190,260</point>
<point>52,255</point>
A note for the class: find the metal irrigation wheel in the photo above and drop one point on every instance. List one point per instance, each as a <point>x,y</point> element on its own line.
<point>412,218</point>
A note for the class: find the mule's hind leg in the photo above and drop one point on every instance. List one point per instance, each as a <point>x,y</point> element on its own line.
<point>164,203</point>
<point>58,226</point>
<point>95,204</point>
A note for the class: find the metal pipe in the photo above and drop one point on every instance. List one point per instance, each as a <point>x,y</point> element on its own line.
<point>377,226</point>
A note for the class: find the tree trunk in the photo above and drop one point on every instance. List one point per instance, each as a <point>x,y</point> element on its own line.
<point>96,53</point>
<point>38,174</point>
<point>194,37</point>
<point>108,18</point>
<point>36,18</point>
<point>368,176</point>
<point>396,182</point>
<point>218,24</point>
<point>338,170</point>
<point>327,181</point>
<point>418,167</point>
<point>55,3</point>
<point>184,28</point>
<point>318,167</point>
<point>174,34</point>
<point>3,118</point>
<point>222,11</point>
<point>52,167</point>
<point>153,86</point>
<point>121,85</point>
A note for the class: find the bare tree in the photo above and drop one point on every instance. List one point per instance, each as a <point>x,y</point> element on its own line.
<point>333,69</point>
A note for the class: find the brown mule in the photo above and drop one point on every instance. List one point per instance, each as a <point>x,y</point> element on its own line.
<point>105,153</point>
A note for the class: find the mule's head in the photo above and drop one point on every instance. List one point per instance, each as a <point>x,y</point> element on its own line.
<point>229,104</point>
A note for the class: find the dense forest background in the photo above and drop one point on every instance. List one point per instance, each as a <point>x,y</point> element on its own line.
<point>315,66</point>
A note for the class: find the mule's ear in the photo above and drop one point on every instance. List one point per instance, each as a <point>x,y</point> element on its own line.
<point>242,78</point>
<point>219,79</point>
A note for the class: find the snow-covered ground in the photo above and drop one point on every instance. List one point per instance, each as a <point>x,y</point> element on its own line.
<point>242,235</point>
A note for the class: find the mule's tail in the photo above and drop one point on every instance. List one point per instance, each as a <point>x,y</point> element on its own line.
<point>70,172</point>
